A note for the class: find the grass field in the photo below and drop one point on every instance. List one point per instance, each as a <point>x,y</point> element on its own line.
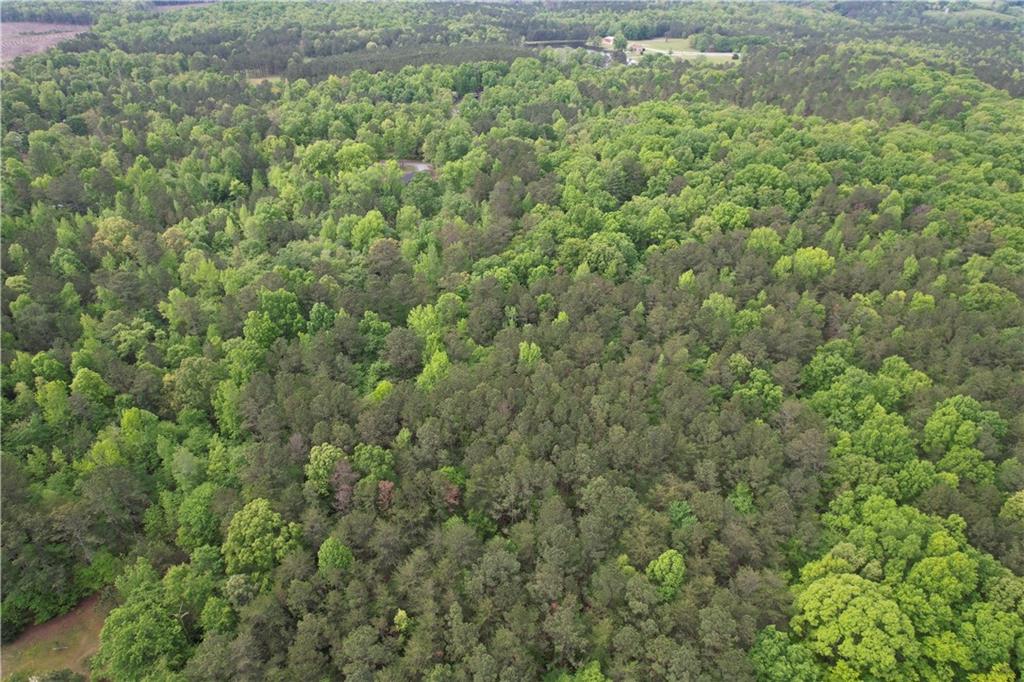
<point>64,642</point>
<point>667,43</point>
<point>680,48</point>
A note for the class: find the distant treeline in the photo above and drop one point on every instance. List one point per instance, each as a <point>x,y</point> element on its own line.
<point>836,83</point>
<point>395,59</point>
<point>62,12</point>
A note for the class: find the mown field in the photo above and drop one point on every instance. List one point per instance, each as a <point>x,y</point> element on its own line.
<point>680,48</point>
<point>668,44</point>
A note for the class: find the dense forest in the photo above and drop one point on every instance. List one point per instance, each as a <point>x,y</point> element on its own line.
<point>674,370</point>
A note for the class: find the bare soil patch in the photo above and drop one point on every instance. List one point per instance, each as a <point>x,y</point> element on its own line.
<point>18,38</point>
<point>63,642</point>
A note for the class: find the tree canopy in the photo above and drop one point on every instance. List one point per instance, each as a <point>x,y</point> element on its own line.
<point>406,341</point>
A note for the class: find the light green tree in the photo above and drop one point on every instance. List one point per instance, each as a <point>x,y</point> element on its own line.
<point>667,572</point>
<point>529,353</point>
<point>812,263</point>
<point>197,525</point>
<point>373,461</point>
<point>141,639</point>
<point>765,241</point>
<point>217,615</point>
<point>369,228</point>
<point>958,421</point>
<point>257,540</point>
<point>902,595</point>
<point>434,371</point>
<point>728,216</point>
<point>883,436</point>
<point>91,386</point>
<point>333,557</point>
<point>322,460</point>
<point>857,625</point>
<point>760,392</point>
<point>1013,508</point>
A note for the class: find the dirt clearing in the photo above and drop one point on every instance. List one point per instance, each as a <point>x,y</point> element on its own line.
<point>63,642</point>
<point>18,38</point>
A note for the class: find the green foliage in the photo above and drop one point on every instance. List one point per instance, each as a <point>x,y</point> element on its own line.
<point>217,616</point>
<point>902,594</point>
<point>333,557</point>
<point>681,514</point>
<point>855,623</point>
<point>454,475</point>
<point>91,386</point>
<point>322,460</point>
<point>686,280</point>
<point>609,254</point>
<point>760,393</point>
<point>434,371</point>
<point>1013,508</point>
<point>257,539</point>
<point>529,353</point>
<point>52,398</point>
<point>728,216</point>
<point>765,241</point>
<point>141,638</point>
<point>739,271</point>
<point>742,499</point>
<point>776,657</point>
<point>830,361</point>
<point>883,437</point>
<point>197,524</point>
<point>369,228</point>
<point>381,391</point>
<point>812,263</point>
<point>278,314</point>
<point>959,421</point>
<point>952,431</point>
<point>591,672</point>
<point>373,461</point>
<point>321,318</point>
<point>401,621</point>
<point>667,572</point>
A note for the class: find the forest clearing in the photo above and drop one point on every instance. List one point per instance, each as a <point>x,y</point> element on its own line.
<point>680,48</point>
<point>18,38</point>
<point>64,642</point>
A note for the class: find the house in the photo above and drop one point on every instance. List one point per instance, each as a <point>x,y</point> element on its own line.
<point>608,42</point>
<point>637,48</point>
